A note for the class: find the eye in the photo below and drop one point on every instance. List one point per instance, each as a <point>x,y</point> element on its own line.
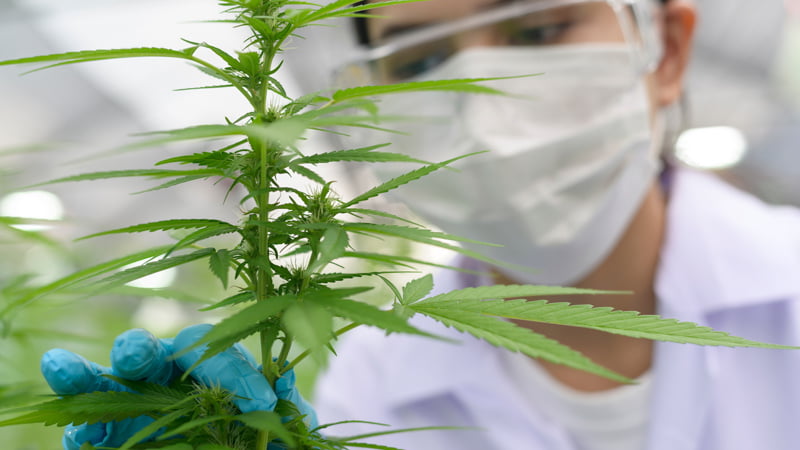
<point>413,62</point>
<point>546,34</point>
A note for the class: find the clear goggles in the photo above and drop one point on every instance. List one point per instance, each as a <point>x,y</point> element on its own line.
<point>420,47</point>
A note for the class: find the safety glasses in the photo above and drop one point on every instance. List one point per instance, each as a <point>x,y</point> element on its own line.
<point>407,55</point>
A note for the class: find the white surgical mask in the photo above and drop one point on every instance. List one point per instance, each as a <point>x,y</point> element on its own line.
<point>571,155</point>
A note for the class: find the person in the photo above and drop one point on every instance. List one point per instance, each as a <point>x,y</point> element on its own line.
<point>574,186</point>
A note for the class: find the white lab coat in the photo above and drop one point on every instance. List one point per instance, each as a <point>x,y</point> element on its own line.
<point>729,262</point>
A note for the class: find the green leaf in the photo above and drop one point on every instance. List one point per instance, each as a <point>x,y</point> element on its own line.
<point>510,291</point>
<point>625,323</point>
<point>99,55</point>
<point>202,234</point>
<point>267,421</point>
<point>308,173</point>
<point>173,182</point>
<point>190,425</point>
<point>164,225</point>
<point>395,431</point>
<point>285,131</point>
<point>510,336</point>
<point>219,262</point>
<point>151,173</point>
<point>401,180</point>
<point>395,260</point>
<point>153,427</point>
<point>365,154</point>
<point>93,407</point>
<point>85,274</point>
<point>311,325</point>
<point>135,273</point>
<point>415,290</point>
<point>238,326</point>
<point>457,85</point>
<point>366,314</point>
<point>422,235</point>
<point>241,297</point>
<point>332,246</point>
<point>333,277</point>
<point>371,212</point>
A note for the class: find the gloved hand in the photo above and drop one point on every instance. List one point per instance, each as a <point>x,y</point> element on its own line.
<point>138,355</point>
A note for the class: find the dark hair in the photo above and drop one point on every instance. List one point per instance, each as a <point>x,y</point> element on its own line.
<point>361,25</point>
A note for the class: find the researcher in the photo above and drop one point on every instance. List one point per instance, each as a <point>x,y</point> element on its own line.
<point>575,186</point>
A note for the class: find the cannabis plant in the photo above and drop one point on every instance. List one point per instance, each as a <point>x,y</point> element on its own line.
<point>287,269</point>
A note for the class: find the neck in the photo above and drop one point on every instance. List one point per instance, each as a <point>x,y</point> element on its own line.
<point>631,266</point>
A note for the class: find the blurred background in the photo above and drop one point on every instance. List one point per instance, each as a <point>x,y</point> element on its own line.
<point>742,121</point>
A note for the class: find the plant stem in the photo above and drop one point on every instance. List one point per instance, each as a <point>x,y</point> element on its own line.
<point>262,440</point>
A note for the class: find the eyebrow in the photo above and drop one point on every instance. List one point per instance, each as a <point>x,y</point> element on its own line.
<point>401,28</point>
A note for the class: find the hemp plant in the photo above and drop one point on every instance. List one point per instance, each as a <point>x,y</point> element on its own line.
<point>287,266</point>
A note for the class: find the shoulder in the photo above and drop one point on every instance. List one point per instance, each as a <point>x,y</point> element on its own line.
<point>725,249</point>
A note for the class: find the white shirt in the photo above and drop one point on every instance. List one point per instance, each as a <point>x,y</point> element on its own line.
<point>613,419</point>
<point>728,261</point>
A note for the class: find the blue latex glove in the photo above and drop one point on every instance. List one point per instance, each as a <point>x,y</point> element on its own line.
<point>138,355</point>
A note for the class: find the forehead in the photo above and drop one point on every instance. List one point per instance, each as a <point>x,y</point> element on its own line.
<point>429,11</point>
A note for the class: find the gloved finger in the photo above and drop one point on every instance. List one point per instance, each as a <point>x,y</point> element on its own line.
<point>104,434</point>
<point>229,370</point>
<point>77,435</point>
<point>68,373</point>
<point>138,355</point>
<point>286,389</point>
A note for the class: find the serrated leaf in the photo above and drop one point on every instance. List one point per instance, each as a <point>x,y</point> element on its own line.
<point>153,427</point>
<point>513,337</point>
<point>415,290</point>
<point>126,276</point>
<point>467,85</point>
<point>401,180</point>
<point>311,325</point>
<point>396,260</point>
<point>332,246</point>
<point>333,277</point>
<point>82,276</point>
<point>246,319</point>
<point>372,212</point>
<point>149,173</point>
<point>348,439</point>
<point>219,262</point>
<point>267,421</point>
<point>93,407</point>
<point>191,425</point>
<point>510,291</point>
<point>174,182</point>
<point>241,297</point>
<point>163,225</point>
<point>283,131</point>
<point>339,8</point>
<point>98,55</point>
<point>202,234</point>
<point>364,154</point>
<point>625,323</point>
<point>422,235</point>
<point>366,314</point>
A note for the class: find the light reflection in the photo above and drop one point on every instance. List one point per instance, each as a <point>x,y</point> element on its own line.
<point>160,316</point>
<point>158,280</point>
<point>712,148</point>
<point>41,205</point>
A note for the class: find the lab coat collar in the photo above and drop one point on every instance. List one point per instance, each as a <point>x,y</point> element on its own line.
<point>725,249</point>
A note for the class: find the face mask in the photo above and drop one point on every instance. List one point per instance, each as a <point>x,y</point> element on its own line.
<point>570,156</point>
